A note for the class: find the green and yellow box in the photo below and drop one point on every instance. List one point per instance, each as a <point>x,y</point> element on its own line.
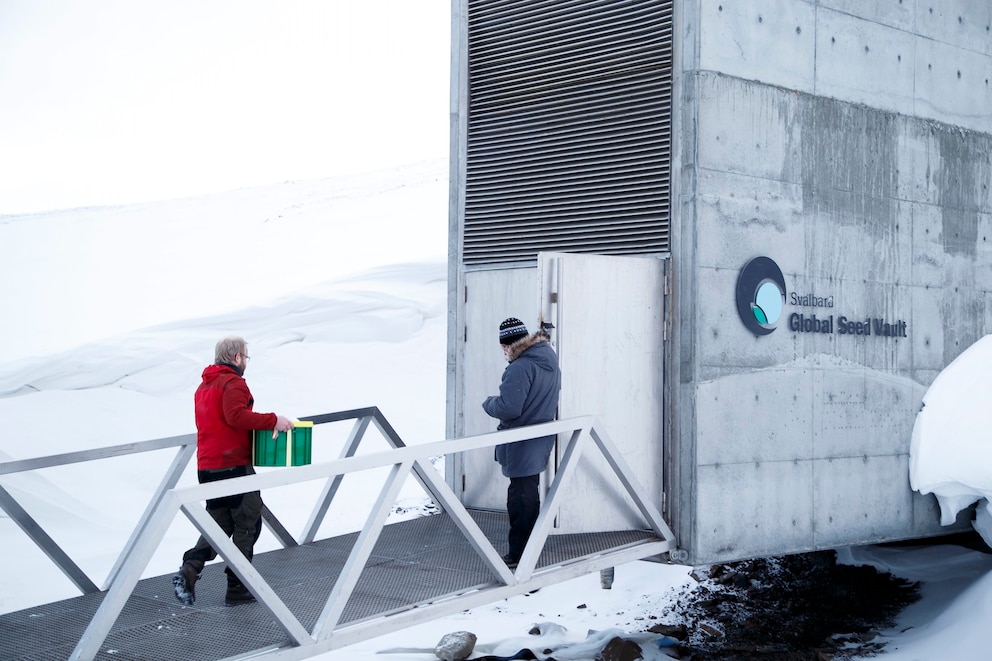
<point>292,449</point>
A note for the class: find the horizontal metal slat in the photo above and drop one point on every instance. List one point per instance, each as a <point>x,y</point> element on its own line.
<point>486,17</point>
<point>559,40</point>
<point>640,245</point>
<point>579,94</point>
<point>568,129</point>
<point>600,146</point>
<point>579,240</point>
<point>563,215</point>
<point>551,219</point>
<point>544,171</point>
<point>520,188</point>
<point>527,253</point>
<point>569,123</point>
<point>604,226</point>
<point>603,220</point>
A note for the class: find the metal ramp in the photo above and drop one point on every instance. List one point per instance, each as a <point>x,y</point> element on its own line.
<point>315,595</point>
<point>415,563</point>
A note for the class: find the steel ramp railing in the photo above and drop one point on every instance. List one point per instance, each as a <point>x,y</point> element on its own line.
<point>186,445</point>
<point>328,633</point>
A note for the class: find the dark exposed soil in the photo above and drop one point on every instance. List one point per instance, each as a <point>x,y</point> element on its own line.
<point>790,608</point>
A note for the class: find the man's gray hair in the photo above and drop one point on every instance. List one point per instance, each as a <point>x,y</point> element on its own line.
<point>228,348</point>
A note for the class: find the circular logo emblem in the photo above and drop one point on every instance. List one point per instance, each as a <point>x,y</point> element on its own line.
<point>760,295</point>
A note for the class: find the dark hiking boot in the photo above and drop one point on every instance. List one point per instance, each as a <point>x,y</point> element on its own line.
<point>184,582</point>
<point>510,561</point>
<point>237,593</point>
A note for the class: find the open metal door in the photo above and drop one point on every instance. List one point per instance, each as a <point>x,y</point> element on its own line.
<point>608,315</point>
<point>489,297</point>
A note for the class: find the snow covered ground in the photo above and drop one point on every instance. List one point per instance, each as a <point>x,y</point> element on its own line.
<point>339,286</point>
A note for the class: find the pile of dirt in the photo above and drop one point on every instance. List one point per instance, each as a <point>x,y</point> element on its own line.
<point>790,608</point>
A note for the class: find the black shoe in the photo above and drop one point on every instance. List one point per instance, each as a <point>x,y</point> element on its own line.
<point>184,583</point>
<point>510,561</point>
<point>238,594</point>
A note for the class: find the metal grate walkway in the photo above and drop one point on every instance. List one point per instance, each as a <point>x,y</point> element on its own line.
<point>414,564</point>
<point>315,596</point>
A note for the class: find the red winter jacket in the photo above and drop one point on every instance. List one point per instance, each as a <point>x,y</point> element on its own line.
<point>224,419</point>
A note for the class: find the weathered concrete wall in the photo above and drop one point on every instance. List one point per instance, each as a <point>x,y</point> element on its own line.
<point>919,58</point>
<point>852,146</point>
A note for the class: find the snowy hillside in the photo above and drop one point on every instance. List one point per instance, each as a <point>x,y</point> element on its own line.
<point>74,276</point>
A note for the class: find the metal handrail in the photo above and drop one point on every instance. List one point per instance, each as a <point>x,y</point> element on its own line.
<point>186,445</point>
<point>402,461</point>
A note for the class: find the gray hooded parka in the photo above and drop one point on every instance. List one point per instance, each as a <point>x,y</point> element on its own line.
<point>528,395</point>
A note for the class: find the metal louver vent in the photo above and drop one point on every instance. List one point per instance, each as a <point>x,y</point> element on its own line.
<point>569,128</point>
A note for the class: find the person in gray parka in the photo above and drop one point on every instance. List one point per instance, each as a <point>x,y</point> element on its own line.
<point>528,395</point>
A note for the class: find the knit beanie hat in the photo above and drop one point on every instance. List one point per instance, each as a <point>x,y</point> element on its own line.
<point>512,330</point>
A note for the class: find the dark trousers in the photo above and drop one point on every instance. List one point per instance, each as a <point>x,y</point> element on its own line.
<point>239,516</point>
<point>523,504</point>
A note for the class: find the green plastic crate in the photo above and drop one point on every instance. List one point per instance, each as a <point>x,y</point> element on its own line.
<point>268,451</point>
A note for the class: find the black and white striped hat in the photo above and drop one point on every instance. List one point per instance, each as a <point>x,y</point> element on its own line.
<point>512,330</point>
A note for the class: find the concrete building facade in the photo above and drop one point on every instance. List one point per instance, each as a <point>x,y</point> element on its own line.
<point>823,251</point>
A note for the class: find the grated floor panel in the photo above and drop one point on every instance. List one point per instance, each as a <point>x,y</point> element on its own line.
<point>413,562</point>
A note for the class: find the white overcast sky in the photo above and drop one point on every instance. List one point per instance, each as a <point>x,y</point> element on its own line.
<point>118,101</point>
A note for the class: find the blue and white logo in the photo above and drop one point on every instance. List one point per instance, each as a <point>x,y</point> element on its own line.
<point>760,295</point>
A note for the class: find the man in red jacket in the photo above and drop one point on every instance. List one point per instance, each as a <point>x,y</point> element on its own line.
<point>224,422</point>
